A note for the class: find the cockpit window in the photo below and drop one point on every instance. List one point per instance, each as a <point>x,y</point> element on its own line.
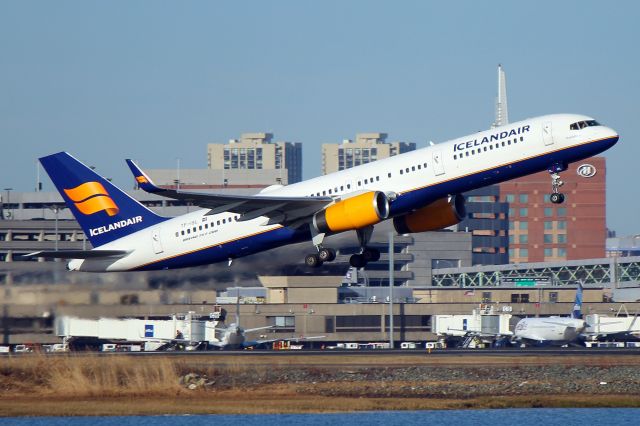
<point>582,124</point>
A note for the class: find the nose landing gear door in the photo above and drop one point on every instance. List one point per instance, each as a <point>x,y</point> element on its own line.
<point>547,134</point>
<point>155,240</point>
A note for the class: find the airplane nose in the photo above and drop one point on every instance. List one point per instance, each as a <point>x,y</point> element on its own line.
<point>613,135</point>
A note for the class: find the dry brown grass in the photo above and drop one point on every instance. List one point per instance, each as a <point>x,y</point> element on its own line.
<point>89,384</point>
<point>89,375</point>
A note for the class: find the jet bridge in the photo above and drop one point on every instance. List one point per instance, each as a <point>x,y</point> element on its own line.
<point>155,333</point>
<point>485,324</point>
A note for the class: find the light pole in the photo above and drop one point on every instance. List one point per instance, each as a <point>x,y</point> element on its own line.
<point>178,174</point>
<point>391,280</point>
<point>56,211</point>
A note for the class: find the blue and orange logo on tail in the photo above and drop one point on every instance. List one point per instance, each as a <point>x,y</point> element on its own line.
<point>142,179</point>
<point>91,197</point>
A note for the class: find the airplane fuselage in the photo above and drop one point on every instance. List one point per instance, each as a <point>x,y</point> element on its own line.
<point>415,179</point>
<point>549,330</point>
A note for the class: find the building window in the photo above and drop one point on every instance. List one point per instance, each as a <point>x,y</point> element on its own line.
<point>548,238</point>
<point>562,224</point>
<point>562,211</point>
<point>524,253</point>
<point>548,252</point>
<point>329,325</point>
<point>358,323</point>
<point>486,297</point>
<point>548,211</point>
<point>282,323</point>
<point>547,198</point>
<point>524,212</point>
<point>445,263</point>
<point>562,238</point>
<point>548,225</point>
<point>511,239</point>
<point>510,198</point>
<point>523,225</point>
<point>519,298</point>
<point>512,212</point>
<point>523,238</point>
<point>524,198</point>
<point>562,252</point>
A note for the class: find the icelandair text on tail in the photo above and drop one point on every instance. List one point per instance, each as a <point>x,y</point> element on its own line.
<point>113,226</point>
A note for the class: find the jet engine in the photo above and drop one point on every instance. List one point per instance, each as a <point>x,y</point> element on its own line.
<point>437,215</point>
<point>353,213</point>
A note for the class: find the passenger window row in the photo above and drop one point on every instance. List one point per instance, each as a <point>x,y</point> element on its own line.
<point>366,181</point>
<point>195,229</point>
<point>487,148</point>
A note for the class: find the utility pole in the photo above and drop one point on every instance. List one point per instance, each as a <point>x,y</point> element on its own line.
<point>391,280</point>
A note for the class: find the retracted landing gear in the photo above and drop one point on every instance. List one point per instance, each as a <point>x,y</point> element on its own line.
<point>367,254</point>
<point>556,197</point>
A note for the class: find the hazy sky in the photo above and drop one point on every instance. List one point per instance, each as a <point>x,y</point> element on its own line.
<point>156,81</point>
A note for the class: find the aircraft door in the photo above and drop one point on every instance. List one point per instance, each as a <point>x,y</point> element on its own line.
<point>156,241</point>
<point>547,133</point>
<point>438,165</point>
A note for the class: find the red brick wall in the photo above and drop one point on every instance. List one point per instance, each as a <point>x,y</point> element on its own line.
<point>585,214</point>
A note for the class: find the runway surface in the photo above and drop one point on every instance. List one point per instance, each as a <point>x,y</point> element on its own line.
<point>408,353</point>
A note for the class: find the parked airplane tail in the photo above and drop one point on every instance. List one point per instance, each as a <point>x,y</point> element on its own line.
<point>577,306</point>
<point>104,212</point>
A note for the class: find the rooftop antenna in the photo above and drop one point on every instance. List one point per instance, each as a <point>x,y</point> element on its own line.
<point>502,113</point>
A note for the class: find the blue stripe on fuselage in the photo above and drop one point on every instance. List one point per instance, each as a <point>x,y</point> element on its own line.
<point>405,202</point>
<point>233,249</point>
<point>423,196</point>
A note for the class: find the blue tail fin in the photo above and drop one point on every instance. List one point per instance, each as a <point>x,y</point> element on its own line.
<point>104,212</point>
<point>577,306</point>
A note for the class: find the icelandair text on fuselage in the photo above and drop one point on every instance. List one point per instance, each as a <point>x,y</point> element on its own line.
<point>113,226</point>
<point>492,138</point>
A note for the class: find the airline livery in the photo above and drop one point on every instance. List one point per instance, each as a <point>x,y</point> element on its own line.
<point>419,190</point>
<point>552,330</point>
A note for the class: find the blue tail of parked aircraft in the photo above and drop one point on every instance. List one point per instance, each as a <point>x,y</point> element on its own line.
<point>104,212</point>
<point>577,306</point>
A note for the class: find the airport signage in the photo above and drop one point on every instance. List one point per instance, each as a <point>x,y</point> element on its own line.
<point>525,281</point>
<point>148,330</point>
<point>586,170</point>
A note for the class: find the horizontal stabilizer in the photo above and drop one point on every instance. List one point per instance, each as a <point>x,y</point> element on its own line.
<point>79,254</point>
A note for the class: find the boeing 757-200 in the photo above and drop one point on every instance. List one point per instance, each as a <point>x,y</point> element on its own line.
<point>419,190</point>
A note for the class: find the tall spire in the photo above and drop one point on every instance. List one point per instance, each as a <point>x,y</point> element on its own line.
<point>502,112</point>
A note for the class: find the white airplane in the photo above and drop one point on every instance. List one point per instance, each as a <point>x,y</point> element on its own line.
<point>552,330</point>
<point>419,190</point>
<point>234,336</point>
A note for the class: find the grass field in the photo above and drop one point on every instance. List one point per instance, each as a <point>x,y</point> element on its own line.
<point>85,384</point>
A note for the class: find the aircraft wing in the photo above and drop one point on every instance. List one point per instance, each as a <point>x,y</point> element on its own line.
<point>480,333</point>
<point>253,330</point>
<point>557,323</point>
<point>278,209</point>
<point>79,254</point>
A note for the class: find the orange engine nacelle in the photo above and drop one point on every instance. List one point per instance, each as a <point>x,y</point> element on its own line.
<point>437,215</point>
<point>353,213</point>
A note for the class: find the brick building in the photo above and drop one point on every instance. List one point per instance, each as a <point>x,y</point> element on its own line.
<point>541,231</point>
